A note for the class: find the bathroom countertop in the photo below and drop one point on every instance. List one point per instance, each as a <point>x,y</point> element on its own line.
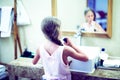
<point>22,66</point>
<point>98,74</point>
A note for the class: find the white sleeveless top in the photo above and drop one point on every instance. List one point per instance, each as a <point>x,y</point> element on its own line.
<point>90,28</point>
<point>54,67</point>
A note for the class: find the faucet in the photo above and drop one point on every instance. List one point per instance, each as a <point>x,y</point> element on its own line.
<point>78,34</point>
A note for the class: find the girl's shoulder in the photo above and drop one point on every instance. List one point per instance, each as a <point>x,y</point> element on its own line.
<point>67,50</point>
<point>94,23</point>
<point>40,47</point>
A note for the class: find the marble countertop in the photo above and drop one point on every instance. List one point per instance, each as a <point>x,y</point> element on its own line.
<point>98,74</point>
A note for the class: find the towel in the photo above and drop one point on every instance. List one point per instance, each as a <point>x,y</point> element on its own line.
<point>112,63</point>
<point>22,16</point>
<point>2,68</point>
<point>3,75</point>
<point>6,21</point>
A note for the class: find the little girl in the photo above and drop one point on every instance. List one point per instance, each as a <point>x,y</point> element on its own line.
<point>54,54</point>
<point>91,25</point>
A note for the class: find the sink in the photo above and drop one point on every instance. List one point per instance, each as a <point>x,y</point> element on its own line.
<point>89,66</point>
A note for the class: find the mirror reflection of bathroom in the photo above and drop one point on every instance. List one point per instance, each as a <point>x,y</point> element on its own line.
<point>95,16</point>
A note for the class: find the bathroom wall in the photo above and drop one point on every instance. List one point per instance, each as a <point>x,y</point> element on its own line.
<point>6,44</point>
<point>31,36</point>
<point>71,13</point>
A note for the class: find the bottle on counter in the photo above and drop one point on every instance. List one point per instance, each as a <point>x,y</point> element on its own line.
<point>103,56</point>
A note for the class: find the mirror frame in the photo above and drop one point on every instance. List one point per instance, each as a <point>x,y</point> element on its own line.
<point>108,33</point>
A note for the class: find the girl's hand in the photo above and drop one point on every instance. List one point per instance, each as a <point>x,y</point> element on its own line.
<point>67,42</point>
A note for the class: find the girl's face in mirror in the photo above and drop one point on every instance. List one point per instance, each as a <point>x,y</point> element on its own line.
<point>89,16</point>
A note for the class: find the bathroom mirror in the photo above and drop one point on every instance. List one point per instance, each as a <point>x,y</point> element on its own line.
<point>71,15</point>
<point>103,10</point>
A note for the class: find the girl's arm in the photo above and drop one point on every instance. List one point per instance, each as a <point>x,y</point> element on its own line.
<point>99,27</point>
<point>73,51</point>
<point>36,57</point>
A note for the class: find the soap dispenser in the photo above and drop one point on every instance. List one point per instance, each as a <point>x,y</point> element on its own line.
<point>103,56</point>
